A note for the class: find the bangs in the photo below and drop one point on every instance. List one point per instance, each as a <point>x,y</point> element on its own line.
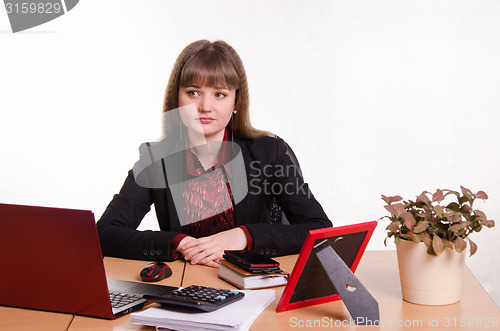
<point>209,68</point>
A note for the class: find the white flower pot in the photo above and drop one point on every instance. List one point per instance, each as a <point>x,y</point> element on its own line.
<point>428,279</point>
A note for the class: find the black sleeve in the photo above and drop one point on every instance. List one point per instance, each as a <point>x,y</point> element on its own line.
<point>117,228</point>
<point>301,209</point>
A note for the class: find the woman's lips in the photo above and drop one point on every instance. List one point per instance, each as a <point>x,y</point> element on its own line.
<point>206,120</point>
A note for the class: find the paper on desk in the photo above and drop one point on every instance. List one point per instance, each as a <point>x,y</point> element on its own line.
<point>236,316</point>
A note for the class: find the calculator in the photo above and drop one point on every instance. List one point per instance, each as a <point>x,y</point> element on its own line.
<point>196,297</point>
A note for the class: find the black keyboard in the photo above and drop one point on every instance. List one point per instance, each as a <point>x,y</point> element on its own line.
<point>198,298</point>
<point>119,299</point>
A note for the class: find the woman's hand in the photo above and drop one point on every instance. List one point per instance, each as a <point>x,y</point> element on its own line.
<point>184,241</point>
<point>208,250</point>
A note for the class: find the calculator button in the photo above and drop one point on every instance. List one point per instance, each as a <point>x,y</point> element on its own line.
<point>198,297</point>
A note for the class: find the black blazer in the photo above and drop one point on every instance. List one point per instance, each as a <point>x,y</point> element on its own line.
<point>272,174</point>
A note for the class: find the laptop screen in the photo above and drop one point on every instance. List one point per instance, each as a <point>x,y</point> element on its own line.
<point>51,260</point>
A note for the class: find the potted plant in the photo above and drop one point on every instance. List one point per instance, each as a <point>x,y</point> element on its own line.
<point>431,236</point>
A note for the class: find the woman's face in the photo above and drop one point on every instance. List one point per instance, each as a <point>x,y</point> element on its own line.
<point>212,111</point>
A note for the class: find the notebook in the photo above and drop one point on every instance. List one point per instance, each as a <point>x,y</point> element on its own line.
<point>246,280</point>
<point>50,259</point>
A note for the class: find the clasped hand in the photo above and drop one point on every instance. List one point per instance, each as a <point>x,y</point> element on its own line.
<point>209,250</point>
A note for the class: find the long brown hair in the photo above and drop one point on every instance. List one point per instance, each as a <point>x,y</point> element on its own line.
<point>215,64</point>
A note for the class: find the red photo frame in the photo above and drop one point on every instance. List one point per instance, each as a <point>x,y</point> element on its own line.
<point>308,283</point>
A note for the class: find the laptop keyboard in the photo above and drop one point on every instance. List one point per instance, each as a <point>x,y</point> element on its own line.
<point>119,299</point>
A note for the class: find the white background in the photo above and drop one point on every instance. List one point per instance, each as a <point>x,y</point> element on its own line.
<point>375,97</point>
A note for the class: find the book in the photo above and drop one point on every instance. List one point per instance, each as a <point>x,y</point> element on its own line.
<point>246,280</point>
<point>235,316</point>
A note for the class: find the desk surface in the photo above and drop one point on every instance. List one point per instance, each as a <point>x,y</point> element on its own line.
<point>377,270</point>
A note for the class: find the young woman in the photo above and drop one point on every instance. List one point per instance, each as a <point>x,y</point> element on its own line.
<point>216,182</point>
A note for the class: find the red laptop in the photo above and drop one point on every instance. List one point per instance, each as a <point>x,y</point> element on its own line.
<point>50,259</point>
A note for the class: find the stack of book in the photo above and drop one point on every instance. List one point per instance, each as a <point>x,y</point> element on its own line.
<point>248,281</point>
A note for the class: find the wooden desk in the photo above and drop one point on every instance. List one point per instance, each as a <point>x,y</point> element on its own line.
<point>377,270</point>
<point>18,319</point>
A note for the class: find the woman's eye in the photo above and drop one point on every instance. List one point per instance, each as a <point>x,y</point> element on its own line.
<point>220,95</point>
<point>193,93</point>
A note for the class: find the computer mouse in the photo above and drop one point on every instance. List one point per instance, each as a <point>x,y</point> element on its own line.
<point>155,272</point>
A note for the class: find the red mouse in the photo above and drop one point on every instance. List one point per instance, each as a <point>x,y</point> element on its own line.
<point>155,272</point>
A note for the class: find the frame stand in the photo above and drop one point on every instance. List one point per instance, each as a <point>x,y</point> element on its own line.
<point>360,303</point>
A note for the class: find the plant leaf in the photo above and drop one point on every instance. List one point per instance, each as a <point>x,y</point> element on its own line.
<point>448,192</point>
<point>390,200</point>
<point>424,199</point>
<point>488,223</point>
<point>439,210</point>
<point>437,245</point>
<point>396,209</point>
<point>457,228</point>
<point>414,237</point>
<point>421,227</point>
<point>473,247</point>
<point>468,194</point>
<point>454,206</point>
<point>456,218</point>
<point>460,245</point>
<point>427,239</point>
<point>447,243</point>
<point>394,226</point>
<point>481,195</point>
<point>409,220</point>
<point>438,196</point>
<point>465,209</point>
<point>481,216</point>
<point>463,199</point>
